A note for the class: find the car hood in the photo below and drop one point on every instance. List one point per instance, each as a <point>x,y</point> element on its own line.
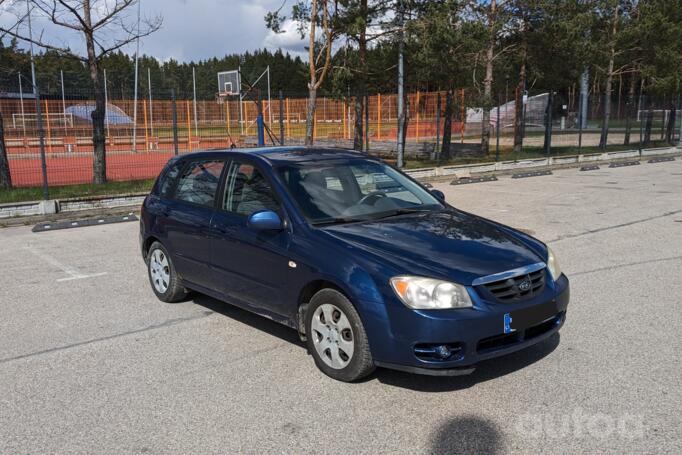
<point>446,244</point>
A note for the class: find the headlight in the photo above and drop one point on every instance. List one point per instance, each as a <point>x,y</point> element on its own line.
<point>553,264</point>
<point>427,293</point>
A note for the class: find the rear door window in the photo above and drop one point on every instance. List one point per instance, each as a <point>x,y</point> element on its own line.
<point>169,178</point>
<point>199,182</point>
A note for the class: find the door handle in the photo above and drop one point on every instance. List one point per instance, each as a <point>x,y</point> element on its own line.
<point>220,230</point>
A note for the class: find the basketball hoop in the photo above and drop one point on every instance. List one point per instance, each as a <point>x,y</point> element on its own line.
<point>229,83</point>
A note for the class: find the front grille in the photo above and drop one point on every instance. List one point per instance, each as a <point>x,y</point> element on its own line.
<point>517,288</point>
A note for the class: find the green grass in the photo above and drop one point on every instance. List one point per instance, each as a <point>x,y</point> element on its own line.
<point>70,191</point>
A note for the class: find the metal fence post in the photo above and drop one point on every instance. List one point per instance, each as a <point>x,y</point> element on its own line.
<point>41,141</point>
<point>679,136</point>
<point>437,149</point>
<point>581,121</point>
<point>523,116</point>
<point>641,126</point>
<point>366,123</point>
<point>174,110</point>
<point>281,118</point>
<point>497,133</point>
<point>548,124</point>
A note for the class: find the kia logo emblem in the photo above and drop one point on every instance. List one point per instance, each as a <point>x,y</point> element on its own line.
<point>524,285</point>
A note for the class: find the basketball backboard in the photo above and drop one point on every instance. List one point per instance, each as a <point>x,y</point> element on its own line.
<point>229,83</point>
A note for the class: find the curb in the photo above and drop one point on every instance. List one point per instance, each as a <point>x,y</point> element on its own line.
<point>45,209</point>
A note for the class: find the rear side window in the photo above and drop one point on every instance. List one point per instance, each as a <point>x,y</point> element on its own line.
<point>199,182</point>
<point>169,178</point>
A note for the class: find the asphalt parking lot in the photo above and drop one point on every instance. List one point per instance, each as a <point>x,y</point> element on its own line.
<point>91,362</point>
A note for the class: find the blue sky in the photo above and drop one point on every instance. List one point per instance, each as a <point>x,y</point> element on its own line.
<point>199,29</point>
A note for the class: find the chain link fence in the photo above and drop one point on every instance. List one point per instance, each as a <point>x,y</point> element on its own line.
<point>140,137</point>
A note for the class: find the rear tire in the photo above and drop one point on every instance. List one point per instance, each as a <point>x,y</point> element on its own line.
<point>162,275</point>
<point>336,337</point>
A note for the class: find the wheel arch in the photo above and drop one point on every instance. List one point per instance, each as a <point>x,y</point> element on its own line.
<point>307,292</point>
<point>313,287</point>
<point>147,244</point>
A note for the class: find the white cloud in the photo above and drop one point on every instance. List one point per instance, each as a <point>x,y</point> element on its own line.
<point>289,40</point>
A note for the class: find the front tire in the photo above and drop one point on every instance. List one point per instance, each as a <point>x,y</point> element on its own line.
<point>336,337</point>
<point>162,275</point>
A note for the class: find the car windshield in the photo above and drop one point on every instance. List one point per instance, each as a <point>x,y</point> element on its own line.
<point>358,190</point>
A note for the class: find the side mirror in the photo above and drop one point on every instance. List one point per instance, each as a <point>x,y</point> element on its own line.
<point>439,194</point>
<point>264,220</point>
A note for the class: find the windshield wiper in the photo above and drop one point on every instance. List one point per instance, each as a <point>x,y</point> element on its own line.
<point>337,220</point>
<point>380,216</point>
<point>402,211</point>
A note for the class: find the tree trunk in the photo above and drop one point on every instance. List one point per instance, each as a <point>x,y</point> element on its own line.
<point>603,140</point>
<point>488,81</point>
<point>5,176</point>
<point>630,110</point>
<point>447,127</point>
<point>310,115</point>
<point>99,164</point>
<point>518,114</point>
<point>649,125</point>
<point>361,82</point>
<point>357,137</point>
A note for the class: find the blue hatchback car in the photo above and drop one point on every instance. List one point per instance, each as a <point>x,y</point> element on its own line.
<point>370,267</point>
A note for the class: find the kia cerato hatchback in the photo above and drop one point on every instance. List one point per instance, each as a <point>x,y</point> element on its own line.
<point>370,267</point>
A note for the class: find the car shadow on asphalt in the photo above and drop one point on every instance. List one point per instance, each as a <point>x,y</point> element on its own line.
<point>258,322</point>
<point>485,371</point>
<point>467,434</point>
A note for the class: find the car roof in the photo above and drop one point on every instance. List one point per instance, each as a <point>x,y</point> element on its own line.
<point>282,155</point>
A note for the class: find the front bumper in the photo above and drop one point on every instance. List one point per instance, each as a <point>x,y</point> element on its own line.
<point>472,335</point>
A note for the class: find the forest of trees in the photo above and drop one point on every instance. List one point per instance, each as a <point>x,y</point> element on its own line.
<point>287,73</point>
<point>446,42</point>
<point>628,48</point>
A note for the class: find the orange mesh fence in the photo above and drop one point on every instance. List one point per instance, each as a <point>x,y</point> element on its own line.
<point>137,150</point>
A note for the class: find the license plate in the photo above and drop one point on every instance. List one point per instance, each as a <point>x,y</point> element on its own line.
<point>528,317</point>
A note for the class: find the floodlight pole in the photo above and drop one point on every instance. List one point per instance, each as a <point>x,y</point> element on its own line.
<point>61,72</point>
<point>39,112</point>
<point>137,59</point>
<point>269,108</point>
<point>151,106</point>
<point>401,82</point>
<point>21,99</point>
<point>281,118</point>
<point>239,91</point>
<point>194,88</point>
<point>106,102</point>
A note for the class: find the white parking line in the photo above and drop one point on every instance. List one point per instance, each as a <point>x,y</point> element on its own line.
<point>73,273</point>
<point>80,277</point>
